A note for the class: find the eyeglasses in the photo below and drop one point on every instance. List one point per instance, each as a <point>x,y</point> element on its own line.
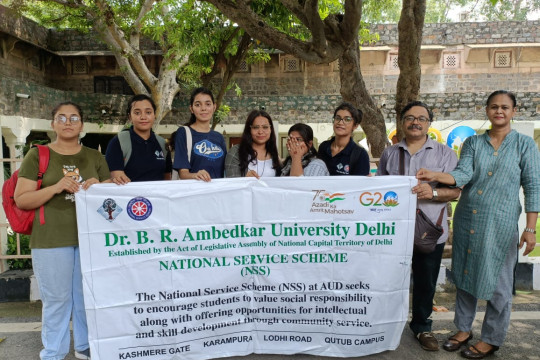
<point>258,127</point>
<point>346,119</point>
<point>421,119</point>
<point>62,119</point>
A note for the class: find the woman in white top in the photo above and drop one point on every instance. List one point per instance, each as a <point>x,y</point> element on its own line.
<point>256,155</point>
<point>302,159</point>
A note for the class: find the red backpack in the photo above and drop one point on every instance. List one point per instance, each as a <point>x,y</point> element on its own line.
<point>21,220</point>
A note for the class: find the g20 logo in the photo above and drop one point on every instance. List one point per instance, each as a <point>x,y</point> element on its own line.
<point>389,199</point>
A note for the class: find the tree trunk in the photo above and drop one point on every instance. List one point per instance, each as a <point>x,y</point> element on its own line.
<point>410,28</point>
<point>164,92</point>
<point>353,89</point>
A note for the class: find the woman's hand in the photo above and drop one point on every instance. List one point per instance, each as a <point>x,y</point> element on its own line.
<point>297,149</point>
<point>66,184</point>
<point>202,175</point>
<point>426,175</point>
<point>89,182</point>
<point>119,177</point>
<point>529,239</point>
<point>252,173</point>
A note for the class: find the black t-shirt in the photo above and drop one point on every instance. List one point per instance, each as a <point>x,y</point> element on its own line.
<point>340,164</point>
<point>147,161</point>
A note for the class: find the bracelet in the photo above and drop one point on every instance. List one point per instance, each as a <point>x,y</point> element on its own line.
<point>530,230</point>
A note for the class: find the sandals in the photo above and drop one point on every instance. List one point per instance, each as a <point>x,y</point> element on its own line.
<point>453,344</point>
<point>470,354</point>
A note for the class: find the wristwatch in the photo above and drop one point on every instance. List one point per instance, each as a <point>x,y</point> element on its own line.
<point>530,230</point>
<point>435,195</point>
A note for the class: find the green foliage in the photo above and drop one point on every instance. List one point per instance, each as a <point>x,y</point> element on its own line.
<point>18,264</point>
<point>26,147</point>
<point>221,113</point>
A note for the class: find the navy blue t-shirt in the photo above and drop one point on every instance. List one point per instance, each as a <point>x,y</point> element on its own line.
<point>340,164</point>
<point>147,162</point>
<point>207,153</point>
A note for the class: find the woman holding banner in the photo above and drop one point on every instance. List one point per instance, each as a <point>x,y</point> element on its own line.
<point>302,159</point>
<point>492,168</point>
<point>55,246</point>
<point>200,151</point>
<point>257,154</point>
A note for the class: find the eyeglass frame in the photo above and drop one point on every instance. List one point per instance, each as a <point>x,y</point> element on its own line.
<point>58,119</point>
<point>412,118</point>
<point>263,127</point>
<point>345,120</point>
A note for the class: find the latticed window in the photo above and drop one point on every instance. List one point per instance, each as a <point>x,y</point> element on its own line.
<point>292,65</point>
<point>451,61</point>
<point>503,59</point>
<point>80,66</point>
<point>393,63</point>
<point>243,67</point>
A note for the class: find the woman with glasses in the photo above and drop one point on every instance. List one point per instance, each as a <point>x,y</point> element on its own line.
<point>55,245</point>
<point>257,154</point>
<point>138,154</point>
<point>302,159</point>
<point>341,154</point>
<point>200,151</point>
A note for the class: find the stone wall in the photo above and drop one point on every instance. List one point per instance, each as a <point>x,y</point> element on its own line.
<point>287,109</point>
<point>466,33</point>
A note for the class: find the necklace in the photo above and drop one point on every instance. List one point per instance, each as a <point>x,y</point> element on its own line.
<point>264,167</point>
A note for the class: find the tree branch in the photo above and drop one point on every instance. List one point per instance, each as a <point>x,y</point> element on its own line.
<point>311,51</point>
<point>145,8</point>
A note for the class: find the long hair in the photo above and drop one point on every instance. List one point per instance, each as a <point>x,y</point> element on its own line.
<point>76,106</point>
<point>306,132</point>
<point>246,151</point>
<point>197,91</point>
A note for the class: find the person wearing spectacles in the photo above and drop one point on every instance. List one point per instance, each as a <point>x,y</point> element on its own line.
<point>417,150</point>
<point>302,159</point>
<point>341,154</point>
<point>55,244</point>
<point>257,154</point>
<point>138,154</point>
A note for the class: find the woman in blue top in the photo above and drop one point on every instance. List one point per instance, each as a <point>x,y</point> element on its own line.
<point>341,154</point>
<point>492,168</point>
<point>302,159</point>
<point>205,160</point>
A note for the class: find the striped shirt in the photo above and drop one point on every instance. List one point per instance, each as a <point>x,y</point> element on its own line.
<point>432,156</point>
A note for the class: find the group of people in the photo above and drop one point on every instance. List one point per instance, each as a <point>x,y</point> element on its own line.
<point>200,153</point>
<point>488,176</point>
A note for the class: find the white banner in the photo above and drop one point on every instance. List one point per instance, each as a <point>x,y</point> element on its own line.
<point>193,270</point>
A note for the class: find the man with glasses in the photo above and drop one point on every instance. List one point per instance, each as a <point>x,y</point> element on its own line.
<point>417,150</point>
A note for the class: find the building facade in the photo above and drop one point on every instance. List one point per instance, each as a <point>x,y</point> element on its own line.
<point>461,64</point>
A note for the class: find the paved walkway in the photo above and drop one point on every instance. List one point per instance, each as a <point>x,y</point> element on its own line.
<point>20,333</point>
